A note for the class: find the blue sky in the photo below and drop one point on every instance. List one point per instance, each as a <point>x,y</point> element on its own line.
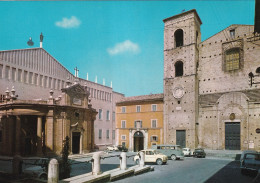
<point>120,41</point>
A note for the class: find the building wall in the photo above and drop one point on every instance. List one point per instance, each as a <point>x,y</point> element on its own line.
<point>146,115</point>
<point>213,96</point>
<point>180,113</point>
<point>34,72</point>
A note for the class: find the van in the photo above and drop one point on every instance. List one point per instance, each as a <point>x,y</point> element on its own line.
<point>172,151</point>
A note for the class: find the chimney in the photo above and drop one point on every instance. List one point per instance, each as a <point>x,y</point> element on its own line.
<point>257,16</point>
<point>41,39</point>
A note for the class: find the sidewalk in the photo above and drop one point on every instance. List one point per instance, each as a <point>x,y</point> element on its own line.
<point>225,154</point>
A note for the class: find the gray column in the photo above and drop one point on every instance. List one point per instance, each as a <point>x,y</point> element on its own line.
<point>39,135</point>
<point>18,136</point>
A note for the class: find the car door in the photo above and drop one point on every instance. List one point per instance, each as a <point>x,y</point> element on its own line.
<point>149,156</point>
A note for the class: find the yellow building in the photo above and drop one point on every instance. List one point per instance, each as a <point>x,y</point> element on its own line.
<point>139,121</point>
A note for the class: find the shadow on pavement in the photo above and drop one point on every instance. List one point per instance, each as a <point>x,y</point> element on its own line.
<point>231,174</point>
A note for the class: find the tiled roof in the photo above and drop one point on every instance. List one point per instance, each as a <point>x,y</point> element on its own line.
<point>142,98</point>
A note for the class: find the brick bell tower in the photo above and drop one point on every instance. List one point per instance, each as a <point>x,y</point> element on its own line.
<point>181,55</point>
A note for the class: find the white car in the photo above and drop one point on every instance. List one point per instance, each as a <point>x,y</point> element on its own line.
<point>187,151</point>
<point>112,148</point>
<point>151,156</point>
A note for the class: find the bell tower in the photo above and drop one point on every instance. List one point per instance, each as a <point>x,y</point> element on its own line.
<point>181,55</point>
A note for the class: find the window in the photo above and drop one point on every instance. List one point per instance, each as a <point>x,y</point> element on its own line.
<point>123,124</point>
<point>50,80</point>
<point>45,81</point>
<point>138,108</point>
<point>178,35</point>
<point>178,69</point>
<point>25,76</point>
<point>154,107</point>
<point>107,134</point>
<point>113,134</point>
<point>154,138</point>
<point>108,115</point>
<point>114,116</point>
<point>100,114</point>
<point>154,123</point>
<point>7,70</point>
<point>123,144</point>
<point>232,33</point>
<point>13,74</point>
<point>123,137</point>
<point>100,134</point>
<point>232,58</point>
<point>138,124</point>
<point>123,109</point>
<point>30,77</point>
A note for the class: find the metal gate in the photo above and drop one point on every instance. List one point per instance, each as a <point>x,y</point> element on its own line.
<point>232,136</point>
<point>181,138</point>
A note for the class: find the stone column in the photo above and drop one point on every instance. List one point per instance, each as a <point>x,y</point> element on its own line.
<point>145,139</point>
<point>39,135</point>
<point>130,141</point>
<point>96,164</point>
<point>18,136</point>
<point>142,156</point>
<point>53,171</point>
<point>49,138</point>
<point>123,161</point>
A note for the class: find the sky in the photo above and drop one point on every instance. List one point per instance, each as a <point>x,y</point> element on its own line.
<point>118,41</point>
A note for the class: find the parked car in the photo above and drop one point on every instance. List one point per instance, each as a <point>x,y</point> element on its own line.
<point>112,148</point>
<point>38,168</point>
<point>186,151</point>
<point>151,156</point>
<point>250,162</point>
<point>199,153</point>
<point>172,151</point>
<point>122,148</point>
<point>245,152</point>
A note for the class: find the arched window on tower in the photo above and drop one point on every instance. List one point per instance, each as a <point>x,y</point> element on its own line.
<point>178,69</point>
<point>178,35</point>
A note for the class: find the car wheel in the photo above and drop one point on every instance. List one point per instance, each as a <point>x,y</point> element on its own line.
<point>159,161</point>
<point>137,161</point>
<point>43,177</point>
<point>173,157</point>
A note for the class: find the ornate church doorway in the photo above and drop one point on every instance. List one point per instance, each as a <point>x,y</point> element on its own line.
<point>138,141</point>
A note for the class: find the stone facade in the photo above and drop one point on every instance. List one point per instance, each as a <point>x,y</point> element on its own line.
<point>139,121</point>
<point>211,99</point>
<point>39,127</point>
<point>33,72</point>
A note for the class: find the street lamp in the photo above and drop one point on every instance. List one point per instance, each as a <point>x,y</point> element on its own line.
<point>251,76</point>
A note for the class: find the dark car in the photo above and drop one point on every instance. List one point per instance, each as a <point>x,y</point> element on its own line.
<point>250,162</point>
<point>122,148</point>
<point>199,153</point>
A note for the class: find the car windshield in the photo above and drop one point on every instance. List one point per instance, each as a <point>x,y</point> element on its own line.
<point>199,150</point>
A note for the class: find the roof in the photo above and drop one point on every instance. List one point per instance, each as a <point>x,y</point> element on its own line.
<point>142,98</point>
<point>184,13</point>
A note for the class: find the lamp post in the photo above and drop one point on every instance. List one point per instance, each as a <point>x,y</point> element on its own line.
<point>252,76</point>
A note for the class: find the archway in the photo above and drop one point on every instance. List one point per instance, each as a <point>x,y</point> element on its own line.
<point>138,141</point>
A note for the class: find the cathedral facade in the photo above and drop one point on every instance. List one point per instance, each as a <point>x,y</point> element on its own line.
<point>208,99</point>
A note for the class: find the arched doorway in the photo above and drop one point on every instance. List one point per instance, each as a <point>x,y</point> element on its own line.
<point>138,141</point>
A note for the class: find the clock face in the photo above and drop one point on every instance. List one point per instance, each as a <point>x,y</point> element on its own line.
<point>178,92</point>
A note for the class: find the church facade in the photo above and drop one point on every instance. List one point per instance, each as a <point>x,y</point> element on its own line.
<point>39,127</point>
<point>208,99</point>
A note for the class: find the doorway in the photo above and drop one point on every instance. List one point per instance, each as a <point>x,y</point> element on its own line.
<point>181,138</point>
<point>138,141</point>
<point>232,135</point>
<point>75,142</point>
